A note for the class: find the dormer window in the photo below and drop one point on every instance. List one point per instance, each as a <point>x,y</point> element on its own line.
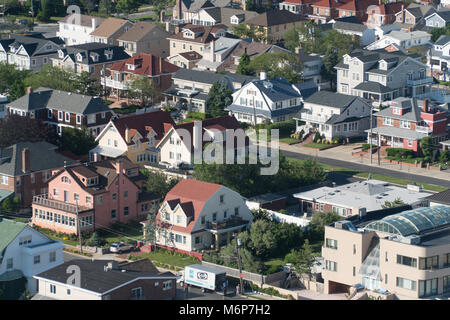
<point>92,181</point>
<point>65,179</point>
<point>79,57</point>
<point>94,57</point>
<point>396,110</point>
<point>61,54</point>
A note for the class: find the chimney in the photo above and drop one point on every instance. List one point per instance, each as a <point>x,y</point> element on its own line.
<point>262,75</point>
<point>112,265</point>
<point>29,90</point>
<point>161,61</point>
<point>425,106</point>
<point>213,49</point>
<point>119,166</point>
<point>94,23</point>
<point>127,134</point>
<point>403,15</point>
<point>26,163</point>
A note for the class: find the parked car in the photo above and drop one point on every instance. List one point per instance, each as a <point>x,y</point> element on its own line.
<point>119,247</point>
<point>23,21</point>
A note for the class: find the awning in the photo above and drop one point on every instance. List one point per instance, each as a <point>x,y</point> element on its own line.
<point>107,152</point>
<point>5,194</point>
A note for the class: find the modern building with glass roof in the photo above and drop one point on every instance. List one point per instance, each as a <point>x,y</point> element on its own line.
<point>405,253</point>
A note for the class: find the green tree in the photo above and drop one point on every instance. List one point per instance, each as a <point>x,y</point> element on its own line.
<point>391,204</point>
<point>263,239</point>
<point>303,259</point>
<point>78,141</point>
<point>46,10</point>
<point>279,64</point>
<point>158,183</point>
<point>15,128</point>
<point>12,81</point>
<point>127,6</point>
<point>444,156</point>
<point>318,222</point>
<point>328,71</point>
<point>152,226</point>
<point>243,31</point>
<point>244,65</point>
<point>261,214</point>
<point>427,146</point>
<point>143,89</point>
<point>88,5</point>
<point>220,97</point>
<point>437,32</point>
<point>105,7</point>
<point>96,240</point>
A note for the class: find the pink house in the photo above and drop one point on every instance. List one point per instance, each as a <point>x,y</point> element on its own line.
<point>93,196</point>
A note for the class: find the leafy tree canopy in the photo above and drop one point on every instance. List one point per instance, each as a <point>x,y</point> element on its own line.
<point>219,98</point>
<point>78,141</point>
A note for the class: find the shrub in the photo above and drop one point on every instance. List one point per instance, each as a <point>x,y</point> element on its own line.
<point>273,269</point>
<point>316,137</point>
<point>366,147</point>
<point>399,153</point>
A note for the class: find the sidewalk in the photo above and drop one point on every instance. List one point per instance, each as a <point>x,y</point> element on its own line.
<point>343,153</point>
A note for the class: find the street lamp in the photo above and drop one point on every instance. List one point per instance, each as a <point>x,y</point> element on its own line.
<point>238,244</point>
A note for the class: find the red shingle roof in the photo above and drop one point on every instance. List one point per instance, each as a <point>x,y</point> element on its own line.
<point>147,64</point>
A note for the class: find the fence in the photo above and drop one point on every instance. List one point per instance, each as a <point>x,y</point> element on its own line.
<point>249,276</point>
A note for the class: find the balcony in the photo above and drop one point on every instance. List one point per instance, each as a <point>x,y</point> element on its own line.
<point>424,129</point>
<point>313,118</point>
<point>232,222</point>
<point>121,85</point>
<point>419,82</point>
<point>43,200</point>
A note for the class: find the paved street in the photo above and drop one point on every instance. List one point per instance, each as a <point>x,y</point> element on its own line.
<point>49,30</point>
<point>337,157</point>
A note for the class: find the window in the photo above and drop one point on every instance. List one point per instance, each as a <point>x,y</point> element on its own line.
<point>203,220</point>
<point>76,197</point>
<point>4,180</point>
<point>37,259</point>
<point>429,263</point>
<point>221,198</point>
<point>197,240</point>
<point>136,293</point>
<point>406,284</point>
<point>67,116</point>
<point>225,214</point>
<point>88,200</point>
<point>52,288</point>
<point>125,211</point>
<point>65,179</point>
<point>60,115</point>
<point>52,257</point>
<point>113,213</point>
<point>50,113</point>
<point>446,281</point>
<point>236,211</point>
<point>114,196</point>
<point>9,263</point>
<point>178,219</point>
<point>354,271</point>
<point>99,199</point>
<point>388,121</point>
<point>214,216</point>
<point>330,265</point>
<point>68,292</point>
<point>446,262</point>
<point>331,243</point>
<point>78,119</point>
<point>428,287</point>
<point>407,261</point>
<point>354,249</point>
<point>125,194</point>
<point>405,124</point>
<point>167,285</point>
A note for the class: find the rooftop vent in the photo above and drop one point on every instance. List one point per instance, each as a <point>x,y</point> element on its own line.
<point>267,85</point>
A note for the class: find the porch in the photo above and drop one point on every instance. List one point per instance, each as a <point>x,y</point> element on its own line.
<point>223,231</point>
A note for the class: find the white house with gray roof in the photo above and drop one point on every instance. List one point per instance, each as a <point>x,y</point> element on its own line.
<point>333,115</point>
<point>380,75</point>
<point>190,88</point>
<point>29,52</point>
<point>438,58</point>
<point>63,109</point>
<point>215,54</point>
<point>359,197</point>
<point>366,35</point>
<point>25,252</point>
<point>403,38</point>
<point>438,19</point>
<point>271,100</point>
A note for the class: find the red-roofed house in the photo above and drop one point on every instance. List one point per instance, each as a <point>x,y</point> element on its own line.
<point>384,13</point>
<point>156,69</point>
<point>325,10</point>
<point>179,143</point>
<point>196,215</point>
<point>356,8</point>
<point>134,136</point>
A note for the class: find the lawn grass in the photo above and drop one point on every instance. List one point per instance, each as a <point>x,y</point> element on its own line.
<point>289,140</point>
<point>168,257</point>
<point>319,146</point>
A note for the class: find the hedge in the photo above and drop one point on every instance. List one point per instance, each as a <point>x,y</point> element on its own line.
<point>400,153</point>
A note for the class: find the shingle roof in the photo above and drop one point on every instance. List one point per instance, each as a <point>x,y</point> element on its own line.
<point>209,77</point>
<point>272,18</point>
<point>441,197</point>
<point>95,278</point>
<point>43,156</point>
<point>331,99</point>
<point>148,65</point>
<point>444,14</point>
<point>276,89</point>
<point>371,86</point>
<point>357,27</point>
<point>412,114</point>
<point>59,100</point>
<point>31,44</point>
<point>9,230</point>
<point>138,31</point>
<point>108,27</point>
<point>442,40</point>
<point>87,50</point>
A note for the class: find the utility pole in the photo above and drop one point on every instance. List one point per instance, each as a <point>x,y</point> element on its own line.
<point>371,126</point>
<point>79,230</point>
<point>238,244</point>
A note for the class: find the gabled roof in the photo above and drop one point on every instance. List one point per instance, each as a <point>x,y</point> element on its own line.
<point>108,27</point>
<point>356,27</point>
<point>206,33</point>
<point>390,8</point>
<point>272,18</point>
<point>357,5</point>
<point>156,120</point>
<point>444,14</point>
<point>140,30</point>
<point>95,279</point>
<point>88,49</point>
<point>43,98</point>
<point>372,86</point>
<point>31,44</point>
<point>327,3</point>
<point>276,89</point>
<point>148,65</point>
<point>9,230</point>
<point>209,77</point>
<point>442,40</point>
<point>441,197</point>
<point>191,194</point>
<point>43,156</point>
<point>412,105</point>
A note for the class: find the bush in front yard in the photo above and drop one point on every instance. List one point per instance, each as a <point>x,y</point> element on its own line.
<point>366,147</point>
<point>400,153</point>
<point>317,137</point>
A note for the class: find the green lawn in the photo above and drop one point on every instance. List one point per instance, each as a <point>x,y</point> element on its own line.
<point>162,256</point>
<point>319,146</point>
<point>288,140</point>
